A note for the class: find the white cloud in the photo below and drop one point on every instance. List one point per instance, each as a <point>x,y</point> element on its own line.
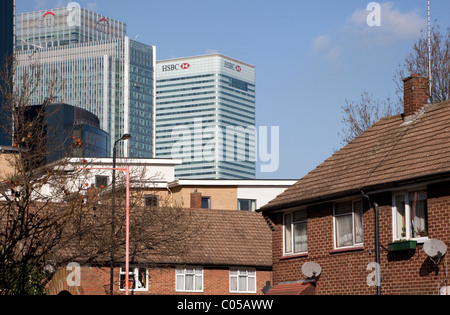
<point>320,43</point>
<point>355,33</point>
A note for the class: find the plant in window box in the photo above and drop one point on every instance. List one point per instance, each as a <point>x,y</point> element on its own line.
<point>402,245</point>
<point>422,232</point>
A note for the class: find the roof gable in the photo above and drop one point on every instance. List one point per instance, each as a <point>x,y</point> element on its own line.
<point>391,151</point>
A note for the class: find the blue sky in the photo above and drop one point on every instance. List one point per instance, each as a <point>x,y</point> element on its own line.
<point>310,56</point>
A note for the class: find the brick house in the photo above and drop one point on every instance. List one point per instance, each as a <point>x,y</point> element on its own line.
<point>228,253</point>
<point>391,183</point>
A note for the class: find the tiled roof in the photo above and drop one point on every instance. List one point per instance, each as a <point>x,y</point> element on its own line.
<point>295,288</point>
<point>229,237</point>
<point>220,238</point>
<point>390,152</point>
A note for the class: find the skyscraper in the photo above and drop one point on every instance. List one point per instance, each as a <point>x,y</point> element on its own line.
<point>206,116</point>
<point>102,70</point>
<point>7,12</point>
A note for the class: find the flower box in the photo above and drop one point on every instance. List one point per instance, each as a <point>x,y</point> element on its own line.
<point>402,245</point>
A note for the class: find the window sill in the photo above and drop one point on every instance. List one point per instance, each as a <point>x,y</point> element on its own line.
<point>347,249</point>
<point>294,256</point>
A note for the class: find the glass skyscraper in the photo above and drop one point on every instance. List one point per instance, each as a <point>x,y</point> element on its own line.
<point>7,18</point>
<point>206,116</point>
<point>101,69</point>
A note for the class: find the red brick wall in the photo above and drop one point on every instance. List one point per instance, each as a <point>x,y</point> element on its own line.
<point>95,281</point>
<point>346,272</point>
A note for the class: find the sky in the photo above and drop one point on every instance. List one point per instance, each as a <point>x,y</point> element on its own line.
<point>310,56</point>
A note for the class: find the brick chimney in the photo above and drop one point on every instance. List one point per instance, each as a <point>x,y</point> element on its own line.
<point>196,200</point>
<point>415,94</point>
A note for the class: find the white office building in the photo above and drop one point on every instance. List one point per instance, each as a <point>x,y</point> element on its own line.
<point>206,116</point>
<point>101,70</point>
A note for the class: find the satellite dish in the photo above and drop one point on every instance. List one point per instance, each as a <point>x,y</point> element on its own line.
<point>311,269</point>
<point>445,291</point>
<point>435,248</point>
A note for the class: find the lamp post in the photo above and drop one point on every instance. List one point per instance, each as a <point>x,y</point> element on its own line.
<point>124,137</point>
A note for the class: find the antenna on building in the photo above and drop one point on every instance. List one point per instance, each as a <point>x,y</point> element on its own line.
<point>429,53</point>
<point>311,270</point>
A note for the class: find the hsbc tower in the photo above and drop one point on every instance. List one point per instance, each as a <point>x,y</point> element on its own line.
<point>205,115</point>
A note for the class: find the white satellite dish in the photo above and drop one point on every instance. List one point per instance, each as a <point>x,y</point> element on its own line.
<point>445,291</point>
<point>311,269</point>
<point>435,248</point>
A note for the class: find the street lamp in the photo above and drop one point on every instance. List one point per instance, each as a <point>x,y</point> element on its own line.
<point>124,137</point>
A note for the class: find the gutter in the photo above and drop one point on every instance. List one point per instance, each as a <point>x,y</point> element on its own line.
<point>433,178</point>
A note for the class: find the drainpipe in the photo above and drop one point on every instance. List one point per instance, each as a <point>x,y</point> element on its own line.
<point>377,242</point>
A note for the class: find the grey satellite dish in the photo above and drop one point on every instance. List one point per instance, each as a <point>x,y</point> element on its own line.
<point>311,269</point>
<point>435,248</point>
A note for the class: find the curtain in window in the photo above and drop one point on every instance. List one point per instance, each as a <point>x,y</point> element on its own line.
<point>400,216</point>
<point>288,233</point>
<point>344,230</point>
<point>418,207</point>
<point>358,210</point>
<point>300,238</point>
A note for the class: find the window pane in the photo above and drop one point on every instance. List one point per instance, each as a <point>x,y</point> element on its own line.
<point>189,285</point>
<point>180,283</point>
<point>300,216</point>
<point>242,283</point>
<point>206,203</point>
<point>343,208</point>
<point>252,284</point>
<point>418,208</point>
<point>300,238</point>
<point>244,205</point>
<point>198,283</point>
<point>358,208</point>
<point>400,216</point>
<point>233,284</point>
<point>344,231</point>
<point>288,234</point>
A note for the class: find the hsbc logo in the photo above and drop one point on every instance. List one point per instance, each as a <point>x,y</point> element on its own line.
<point>175,67</point>
<point>232,66</point>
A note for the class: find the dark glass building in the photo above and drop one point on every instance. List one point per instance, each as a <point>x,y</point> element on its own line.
<point>7,17</point>
<point>69,131</point>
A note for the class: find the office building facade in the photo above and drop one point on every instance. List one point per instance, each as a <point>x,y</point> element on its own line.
<point>206,116</point>
<point>101,69</point>
<point>7,20</point>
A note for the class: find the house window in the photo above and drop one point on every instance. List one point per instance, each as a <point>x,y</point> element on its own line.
<point>348,224</point>
<point>206,202</point>
<point>410,215</point>
<point>101,181</point>
<point>295,233</point>
<point>138,279</point>
<point>242,280</point>
<point>246,205</point>
<point>189,279</point>
<point>151,201</point>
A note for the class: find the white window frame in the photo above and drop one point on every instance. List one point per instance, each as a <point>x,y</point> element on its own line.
<point>242,273</point>
<point>182,272</point>
<point>408,235</point>
<point>293,223</point>
<point>355,243</point>
<point>251,203</point>
<point>134,276</point>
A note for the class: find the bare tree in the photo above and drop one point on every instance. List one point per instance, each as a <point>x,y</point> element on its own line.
<point>50,213</point>
<point>417,62</point>
<point>358,116</point>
